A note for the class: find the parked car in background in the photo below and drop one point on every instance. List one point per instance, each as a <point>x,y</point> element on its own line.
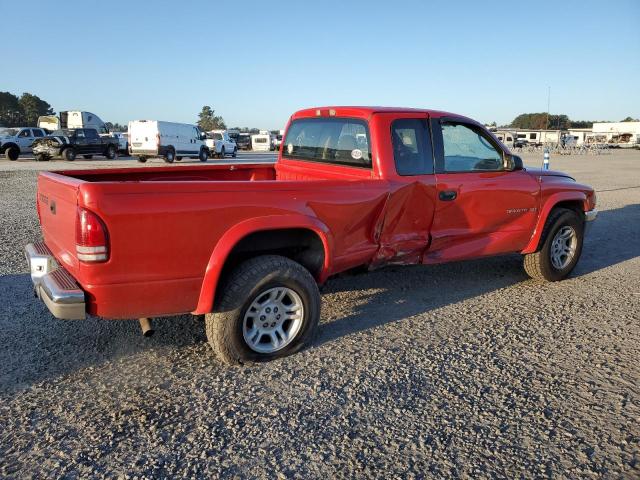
<point>261,142</point>
<point>220,144</point>
<point>247,245</point>
<point>277,141</point>
<point>243,142</point>
<point>169,140</point>
<point>17,140</point>
<point>71,142</point>
<point>123,142</point>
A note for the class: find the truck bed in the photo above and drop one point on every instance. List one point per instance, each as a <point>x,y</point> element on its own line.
<point>164,224</point>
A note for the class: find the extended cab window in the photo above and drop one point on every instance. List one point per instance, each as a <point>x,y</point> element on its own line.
<point>411,147</point>
<point>342,141</point>
<point>80,133</point>
<point>92,134</point>
<point>468,149</point>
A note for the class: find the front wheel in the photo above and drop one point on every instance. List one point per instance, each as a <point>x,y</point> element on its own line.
<point>69,154</point>
<point>204,155</point>
<point>560,247</point>
<point>12,153</point>
<point>222,153</point>
<point>112,152</point>
<point>235,152</point>
<point>142,159</point>
<point>269,307</point>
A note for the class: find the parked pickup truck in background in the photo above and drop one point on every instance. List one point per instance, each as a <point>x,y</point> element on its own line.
<point>71,142</point>
<point>221,144</point>
<point>247,245</point>
<point>17,140</point>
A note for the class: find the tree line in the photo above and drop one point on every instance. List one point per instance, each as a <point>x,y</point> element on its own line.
<point>22,111</point>
<point>543,121</point>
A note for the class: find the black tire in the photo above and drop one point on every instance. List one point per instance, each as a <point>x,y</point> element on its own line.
<point>142,159</point>
<point>170,156</point>
<point>539,265</point>
<point>12,153</point>
<point>204,155</point>
<point>41,158</point>
<point>112,152</point>
<point>224,327</point>
<point>88,157</point>
<point>69,154</point>
<point>235,152</point>
<point>222,152</point>
<point>178,158</point>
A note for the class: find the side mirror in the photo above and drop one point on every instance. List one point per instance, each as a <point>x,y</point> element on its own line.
<point>512,162</point>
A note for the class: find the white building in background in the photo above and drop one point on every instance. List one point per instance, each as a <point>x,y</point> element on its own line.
<point>623,134</point>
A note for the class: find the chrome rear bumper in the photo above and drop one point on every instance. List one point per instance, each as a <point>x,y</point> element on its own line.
<point>54,285</point>
<point>589,217</point>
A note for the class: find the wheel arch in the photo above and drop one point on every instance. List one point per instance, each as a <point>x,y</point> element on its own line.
<point>224,257</point>
<point>576,201</point>
<point>8,145</point>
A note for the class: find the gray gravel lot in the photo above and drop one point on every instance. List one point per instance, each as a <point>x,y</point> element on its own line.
<point>464,370</point>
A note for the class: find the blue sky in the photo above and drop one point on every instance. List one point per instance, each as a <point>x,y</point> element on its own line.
<point>257,62</point>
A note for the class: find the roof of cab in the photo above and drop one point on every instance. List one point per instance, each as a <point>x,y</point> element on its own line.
<point>366,112</point>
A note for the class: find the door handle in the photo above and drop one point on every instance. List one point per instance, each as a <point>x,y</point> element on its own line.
<point>447,195</point>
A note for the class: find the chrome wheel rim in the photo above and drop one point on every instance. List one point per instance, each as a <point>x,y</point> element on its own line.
<point>563,247</point>
<point>273,320</point>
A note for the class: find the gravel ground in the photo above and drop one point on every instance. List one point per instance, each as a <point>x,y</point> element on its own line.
<point>463,370</point>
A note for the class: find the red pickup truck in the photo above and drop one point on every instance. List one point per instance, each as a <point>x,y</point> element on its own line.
<point>247,245</point>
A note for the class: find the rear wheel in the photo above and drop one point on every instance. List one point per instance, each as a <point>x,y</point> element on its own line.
<point>170,156</point>
<point>69,154</point>
<point>112,152</point>
<point>12,153</point>
<point>560,247</point>
<point>269,308</point>
<point>204,155</point>
<point>142,159</point>
<point>88,156</point>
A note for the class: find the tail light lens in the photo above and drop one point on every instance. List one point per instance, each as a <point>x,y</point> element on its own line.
<point>92,240</point>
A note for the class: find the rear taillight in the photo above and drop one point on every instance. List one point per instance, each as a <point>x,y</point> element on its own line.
<point>92,240</point>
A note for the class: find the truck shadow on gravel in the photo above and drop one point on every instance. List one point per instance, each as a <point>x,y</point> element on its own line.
<point>37,347</point>
<point>395,293</point>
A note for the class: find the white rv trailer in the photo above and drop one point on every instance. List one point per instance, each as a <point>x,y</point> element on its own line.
<point>261,142</point>
<point>621,134</point>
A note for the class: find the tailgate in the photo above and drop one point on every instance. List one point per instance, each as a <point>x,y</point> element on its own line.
<point>57,205</point>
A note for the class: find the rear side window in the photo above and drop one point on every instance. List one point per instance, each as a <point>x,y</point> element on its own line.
<point>91,134</point>
<point>37,133</point>
<point>412,150</point>
<point>340,141</point>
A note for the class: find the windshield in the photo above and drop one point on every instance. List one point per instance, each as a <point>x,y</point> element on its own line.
<point>64,132</point>
<point>9,131</point>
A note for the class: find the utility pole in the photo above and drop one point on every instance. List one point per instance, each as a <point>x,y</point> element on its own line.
<point>546,125</point>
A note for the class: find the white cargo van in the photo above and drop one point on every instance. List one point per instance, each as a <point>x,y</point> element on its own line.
<point>261,142</point>
<point>172,141</point>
